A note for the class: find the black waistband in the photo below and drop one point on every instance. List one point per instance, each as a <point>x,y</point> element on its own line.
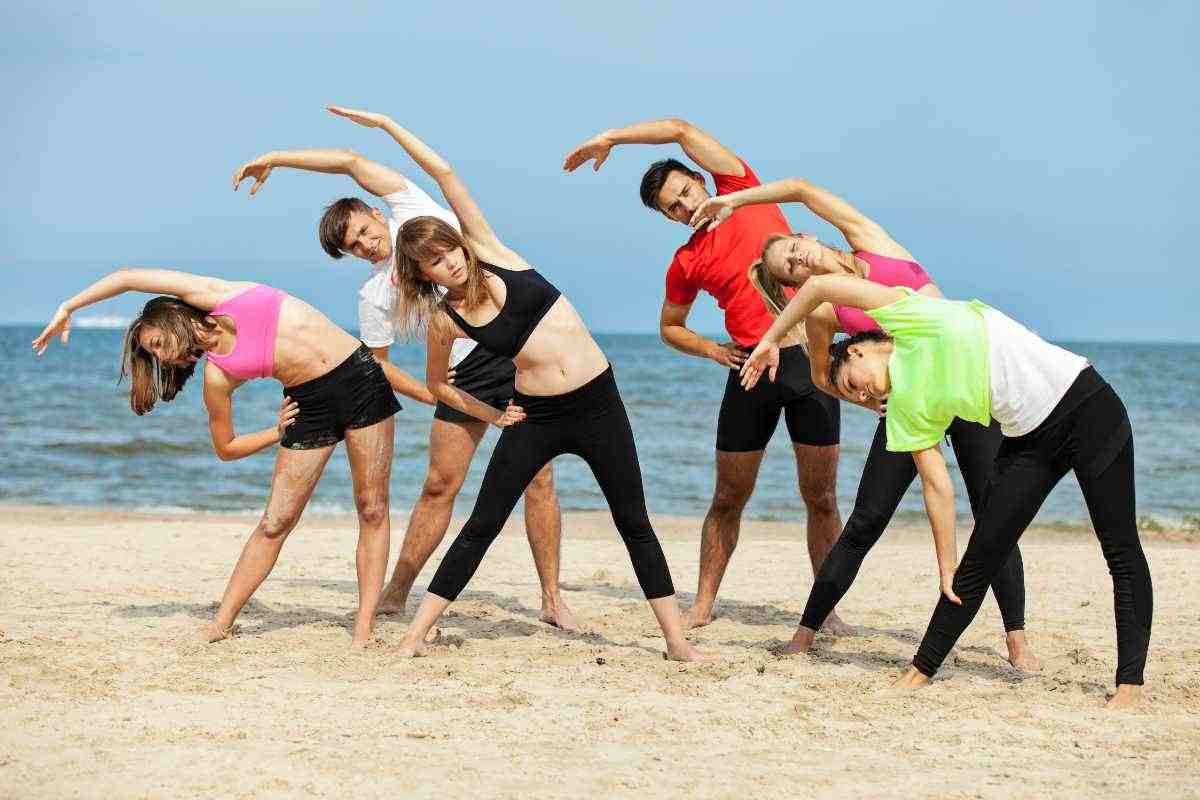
<point>318,383</point>
<point>1086,384</point>
<point>594,394</point>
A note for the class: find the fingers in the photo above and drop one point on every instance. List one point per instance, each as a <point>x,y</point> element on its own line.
<point>573,160</point>
<point>66,334</point>
<point>450,376</point>
<point>237,176</point>
<point>737,358</point>
<point>771,372</point>
<point>600,159</point>
<point>258,182</point>
<point>951,596</point>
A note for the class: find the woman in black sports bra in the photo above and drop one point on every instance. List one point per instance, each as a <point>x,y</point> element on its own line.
<point>566,399</point>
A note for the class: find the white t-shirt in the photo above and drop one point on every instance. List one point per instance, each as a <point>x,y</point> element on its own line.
<point>1028,374</point>
<point>377,296</point>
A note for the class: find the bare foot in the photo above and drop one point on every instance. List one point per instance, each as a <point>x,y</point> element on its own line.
<point>557,613</point>
<point>212,632</point>
<point>392,602</point>
<point>1020,654</point>
<point>686,652</point>
<point>1128,696</point>
<point>835,627</point>
<point>363,642</point>
<point>411,649</point>
<point>802,641</point>
<point>909,682</point>
<point>697,617</point>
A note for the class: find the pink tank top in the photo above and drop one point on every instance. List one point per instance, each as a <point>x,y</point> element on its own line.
<point>886,272</point>
<point>255,312</point>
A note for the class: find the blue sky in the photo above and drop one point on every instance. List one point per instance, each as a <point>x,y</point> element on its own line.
<point>1040,156</point>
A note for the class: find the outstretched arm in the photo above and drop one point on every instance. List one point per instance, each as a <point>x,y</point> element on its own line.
<point>197,290</point>
<point>861,232</point>
<point>218,399</point>
<point>700,147</point>
<point>400,380</point>
<point>938,491</point>
<point>474,224</point>
<point>375,178</point>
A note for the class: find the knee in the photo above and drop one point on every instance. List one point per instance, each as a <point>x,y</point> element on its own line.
<point>276,526</point>
<point>819,500</point>
<point>863,529</point>
<point>372,506</point>
<point>542,485</point>
<point>441,486</point>
<point>730,498</point>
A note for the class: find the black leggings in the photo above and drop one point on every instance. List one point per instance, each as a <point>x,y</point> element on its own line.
<point>1094,440</point>
<point>589,422</point>
<point>886,477</point>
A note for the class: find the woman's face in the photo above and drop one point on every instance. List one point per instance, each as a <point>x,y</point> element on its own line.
<point>795,259</point>
<point>864,376</point>
<point>164,347</point>
<point>448,269</point>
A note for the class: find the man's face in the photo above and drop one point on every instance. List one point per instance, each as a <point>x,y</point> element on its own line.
<point>368,237</point>
<point>680,196</point>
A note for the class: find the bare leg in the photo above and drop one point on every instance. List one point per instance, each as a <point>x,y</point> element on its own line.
<point>543,526</point>
<point>296,475</point>
<point>370,452</point>
<point>452,445</point>
<point>736,474</point>
<point>816,469</point>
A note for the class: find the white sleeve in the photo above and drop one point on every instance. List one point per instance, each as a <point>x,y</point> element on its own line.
<point>413,201</point>
<point>375,328</point>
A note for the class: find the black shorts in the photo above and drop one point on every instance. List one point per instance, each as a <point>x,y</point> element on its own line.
<point>748,418</point>
<point>354,394</point>
<point>485,376</point>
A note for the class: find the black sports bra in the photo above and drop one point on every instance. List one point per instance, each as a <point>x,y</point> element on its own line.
<point>528,296</point>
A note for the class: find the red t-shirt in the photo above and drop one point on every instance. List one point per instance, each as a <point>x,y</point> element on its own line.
<point>717,261</point>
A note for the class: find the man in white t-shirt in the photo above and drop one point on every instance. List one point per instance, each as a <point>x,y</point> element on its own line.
<point>350,226</point>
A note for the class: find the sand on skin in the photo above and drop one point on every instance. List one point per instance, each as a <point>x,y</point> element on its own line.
<point>102,692</point>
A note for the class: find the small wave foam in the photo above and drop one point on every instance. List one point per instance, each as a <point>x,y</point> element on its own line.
<point>103,321</point>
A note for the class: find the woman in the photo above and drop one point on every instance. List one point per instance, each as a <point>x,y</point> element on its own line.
<point>874,255</point>
<point>334,389</point>
<point>936,360</point>
<point>565,398</point>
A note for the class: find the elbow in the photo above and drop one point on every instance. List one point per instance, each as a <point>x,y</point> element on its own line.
<point>351,159</point>
<point>679,127</point>
<point>223,454</point>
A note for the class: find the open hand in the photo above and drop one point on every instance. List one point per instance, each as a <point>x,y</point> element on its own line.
<point>948,589</point>
<point>289,409</point>
<point>596,148</point>
<point>765,358</point>
<point>729,355</point>
<point>60,325</point>
<point>712,211</point>
<point>511,416</point>
<point>368,119</point>
<point>258,169</point>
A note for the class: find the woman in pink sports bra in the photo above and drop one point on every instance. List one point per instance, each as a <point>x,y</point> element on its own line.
<point>789,261</point>
<point>334,389</point>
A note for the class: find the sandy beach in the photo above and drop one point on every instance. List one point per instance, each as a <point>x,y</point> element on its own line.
<point>104,694</point>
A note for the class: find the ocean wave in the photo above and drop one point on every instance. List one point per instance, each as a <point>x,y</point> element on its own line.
<point>129,447</point>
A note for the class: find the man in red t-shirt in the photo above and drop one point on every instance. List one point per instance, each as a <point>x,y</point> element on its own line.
<point>717,261</point>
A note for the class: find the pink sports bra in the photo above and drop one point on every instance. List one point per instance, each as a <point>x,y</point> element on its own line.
<point>885,271</point>
<point>255,312</point>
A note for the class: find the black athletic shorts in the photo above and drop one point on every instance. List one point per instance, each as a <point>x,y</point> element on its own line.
<point>354,394</point>
<point>484,375</point>
<point>748,418</point>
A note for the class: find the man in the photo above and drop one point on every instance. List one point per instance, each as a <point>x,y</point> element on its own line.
<point>351,226</point>
<point>717,261</point>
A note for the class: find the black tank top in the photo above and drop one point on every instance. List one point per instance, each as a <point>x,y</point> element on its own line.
<point>528,296</point>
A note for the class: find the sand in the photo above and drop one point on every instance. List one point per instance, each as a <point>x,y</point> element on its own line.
<point>103,693</point>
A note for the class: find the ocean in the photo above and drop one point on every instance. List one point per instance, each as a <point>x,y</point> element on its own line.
<point>70,438</point>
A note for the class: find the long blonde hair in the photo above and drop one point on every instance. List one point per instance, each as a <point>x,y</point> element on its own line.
<point>150,380</point>
<point>420,300</point>
<point>768,286</point>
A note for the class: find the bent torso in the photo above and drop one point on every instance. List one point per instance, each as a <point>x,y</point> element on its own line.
<point>307,343</point>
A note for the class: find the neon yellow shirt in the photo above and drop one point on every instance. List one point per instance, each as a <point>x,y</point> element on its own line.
<point>939,368</point>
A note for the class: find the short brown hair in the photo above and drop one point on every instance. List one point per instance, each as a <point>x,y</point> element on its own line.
<point>422,239</point>
<point>331,230</point>
<point>150,380</point>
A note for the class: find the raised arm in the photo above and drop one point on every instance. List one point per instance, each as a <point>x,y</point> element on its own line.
<point>474,224</point>
<point>218,399</point>
<point>938,492</point>
<point>375,178</point>
<point>197,290</point>
<point>861,232</point>
<point>700,147</point>
<point>438,339</point>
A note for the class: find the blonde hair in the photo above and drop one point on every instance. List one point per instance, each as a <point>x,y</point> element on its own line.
<point>420,301</point>
<point>768,286</point>
<point>150,380</point>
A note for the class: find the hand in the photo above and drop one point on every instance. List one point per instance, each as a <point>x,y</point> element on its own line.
<point>289,409</point>
<point>714,211</point>
<point>511,416</point>
<point>60,324</point>
<point>450,373</point>
<point>367,119</point>
<point>765,357</point>
<point>258,169</point>
<point>596,147</point>
<point>948,589</point>
<point>728,355</point>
